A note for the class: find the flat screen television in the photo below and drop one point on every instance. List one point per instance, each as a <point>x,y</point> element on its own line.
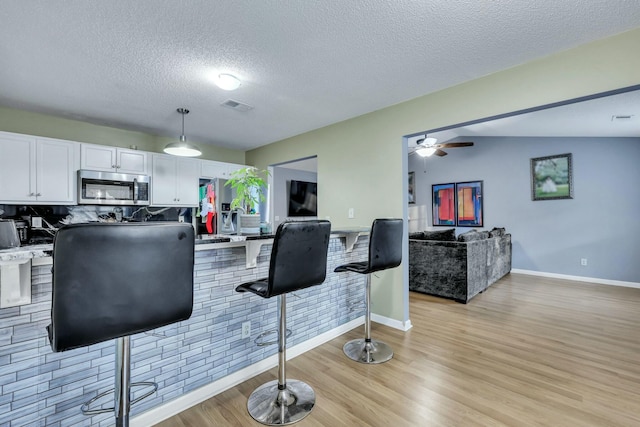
<point>303,198</point>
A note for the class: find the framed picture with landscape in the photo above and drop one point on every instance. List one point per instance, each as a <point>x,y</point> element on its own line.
<point>552,177</point>
<point>469,210</point>
<point>444,206</point>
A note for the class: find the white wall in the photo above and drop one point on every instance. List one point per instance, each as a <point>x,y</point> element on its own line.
<point>600,223</point>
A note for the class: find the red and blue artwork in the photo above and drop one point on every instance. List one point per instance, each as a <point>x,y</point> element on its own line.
<point>469,197</point>
<point>444,206</point>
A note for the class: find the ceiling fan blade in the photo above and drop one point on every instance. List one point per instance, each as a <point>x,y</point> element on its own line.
<point>439,153</point>
<point>455,144</point>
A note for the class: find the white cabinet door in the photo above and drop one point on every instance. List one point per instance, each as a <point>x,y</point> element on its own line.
<point>187,182</point>
<point>163,180</point>
<point>132,161</point>
<point>17,173</point>
<point>37,170</point>
<point>232,167</point>
<point>213,169</point>
<point>112,159</point>
<point>98,157</point>
<point>174,181</point>
<point>56,165</point>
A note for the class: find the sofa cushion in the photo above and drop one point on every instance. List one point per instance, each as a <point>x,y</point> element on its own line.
<point>497,232</point>
<point>473,235</point>
<point>448,235</point>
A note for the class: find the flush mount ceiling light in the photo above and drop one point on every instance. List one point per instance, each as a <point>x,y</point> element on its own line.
<point>228,81</point>
<point>182,148</point>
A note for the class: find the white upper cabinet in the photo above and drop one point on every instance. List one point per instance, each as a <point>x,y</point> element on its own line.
<point>112,159</point>
<point>174,181</point>
<point>215,169</point>
<point>37,170</point>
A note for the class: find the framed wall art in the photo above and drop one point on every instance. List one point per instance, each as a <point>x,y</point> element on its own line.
<point>412,187</point>
<point>444,206</point>
<point>469,204</point>
<point>552,177</point>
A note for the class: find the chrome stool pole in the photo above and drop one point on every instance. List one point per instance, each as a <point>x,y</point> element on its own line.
<point>367,350</point>
<point>385,251</point>
<point>281,402</point>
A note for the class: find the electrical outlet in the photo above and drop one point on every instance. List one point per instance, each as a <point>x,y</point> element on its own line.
<point>583,262</point>
<point>246,329</point>
<point>352,213</point>
<point>277,218</point>
<point>36,222</point>
<point>181,218</point>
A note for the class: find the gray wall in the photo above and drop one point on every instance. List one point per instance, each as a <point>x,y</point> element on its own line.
<point>281,178</point>
<point>550,236</point>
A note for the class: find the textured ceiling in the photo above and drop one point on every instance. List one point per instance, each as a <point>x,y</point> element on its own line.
<point>304,64</point>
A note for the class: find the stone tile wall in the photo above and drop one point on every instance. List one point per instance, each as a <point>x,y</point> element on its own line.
<point>42,388</point>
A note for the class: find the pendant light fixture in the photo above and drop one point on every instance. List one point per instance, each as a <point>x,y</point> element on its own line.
<point>182,148</point>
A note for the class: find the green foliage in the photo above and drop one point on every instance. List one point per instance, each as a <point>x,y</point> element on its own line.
<point>249,186</point>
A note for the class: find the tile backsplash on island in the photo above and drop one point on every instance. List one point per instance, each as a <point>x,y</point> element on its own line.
<point>42,388</point>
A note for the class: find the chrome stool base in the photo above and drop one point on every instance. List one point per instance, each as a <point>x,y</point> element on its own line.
<point>371,352</point>
<point>271,406</point>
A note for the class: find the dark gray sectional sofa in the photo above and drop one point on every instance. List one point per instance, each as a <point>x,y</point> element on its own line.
<point>458,268</point>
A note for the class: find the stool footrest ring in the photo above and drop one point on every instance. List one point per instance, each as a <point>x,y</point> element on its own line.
<point>85,406</point>
<point>260,343</point>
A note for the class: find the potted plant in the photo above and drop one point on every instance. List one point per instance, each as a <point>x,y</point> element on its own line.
<point>249,185</point>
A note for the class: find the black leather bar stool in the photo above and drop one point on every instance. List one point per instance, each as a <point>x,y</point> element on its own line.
<point>385,251</point>
<point>113,280</point>
<point>298,261</point>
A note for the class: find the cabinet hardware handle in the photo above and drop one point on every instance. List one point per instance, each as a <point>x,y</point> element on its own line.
<point>31,194</point>
<point>114,166</point>
<point>38,194</point>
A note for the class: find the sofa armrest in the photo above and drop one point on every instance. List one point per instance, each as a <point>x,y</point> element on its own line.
<point>454,270</point>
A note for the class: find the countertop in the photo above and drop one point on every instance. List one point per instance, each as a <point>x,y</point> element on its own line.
<point>26,252</point>
<point>45,250</point>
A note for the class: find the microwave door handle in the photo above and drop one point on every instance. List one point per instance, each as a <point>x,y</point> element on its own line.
<point>135,190</point>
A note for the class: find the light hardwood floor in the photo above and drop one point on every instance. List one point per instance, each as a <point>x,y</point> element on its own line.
<point>529,351</point>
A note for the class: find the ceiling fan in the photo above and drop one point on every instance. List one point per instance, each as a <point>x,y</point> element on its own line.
<point>428,146</point>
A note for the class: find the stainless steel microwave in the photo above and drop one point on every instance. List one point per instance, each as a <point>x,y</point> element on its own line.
<point>111,188</point>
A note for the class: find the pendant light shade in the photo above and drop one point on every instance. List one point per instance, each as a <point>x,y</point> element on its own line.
<point>182,148</point>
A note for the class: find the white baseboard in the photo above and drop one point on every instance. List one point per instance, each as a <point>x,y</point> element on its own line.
<point>578,278</point>
<point>393,323</point>
<point>182,403</point>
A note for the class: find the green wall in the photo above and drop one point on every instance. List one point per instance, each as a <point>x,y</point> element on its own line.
<point>18,121</point>
<point>362,161</point>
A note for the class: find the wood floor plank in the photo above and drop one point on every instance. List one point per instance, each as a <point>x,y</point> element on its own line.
<point>529,351</point>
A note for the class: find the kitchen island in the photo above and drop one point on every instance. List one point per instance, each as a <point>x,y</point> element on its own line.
<point>190,360</point>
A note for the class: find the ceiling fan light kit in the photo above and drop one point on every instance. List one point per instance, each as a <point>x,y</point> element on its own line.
<point>425,151</point>
<point>428,146</point>
<point>182,148</point>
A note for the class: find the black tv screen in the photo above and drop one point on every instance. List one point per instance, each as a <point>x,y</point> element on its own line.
<point>303,198</point>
